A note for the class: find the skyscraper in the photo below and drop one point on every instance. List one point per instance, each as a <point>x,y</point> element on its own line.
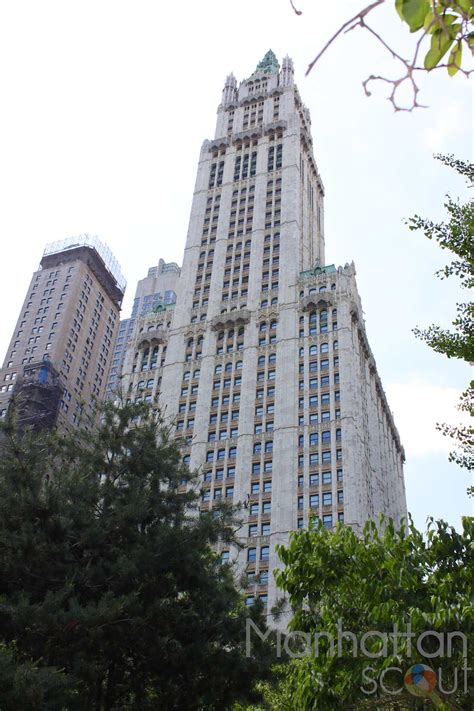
<point>264,360</point>
<point>158,287</point>
<point>59,356</point>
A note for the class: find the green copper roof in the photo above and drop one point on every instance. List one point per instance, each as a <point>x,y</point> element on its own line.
<point>328,269</point>
<point>269,63</point>
<point>162,307</point>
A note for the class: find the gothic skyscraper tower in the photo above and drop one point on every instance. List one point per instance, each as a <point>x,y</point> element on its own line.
<point>263,360</point>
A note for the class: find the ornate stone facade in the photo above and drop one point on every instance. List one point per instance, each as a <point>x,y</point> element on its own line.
<point>264,362</point>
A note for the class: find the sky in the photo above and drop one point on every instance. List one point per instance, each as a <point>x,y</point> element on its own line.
<point>105,104</point>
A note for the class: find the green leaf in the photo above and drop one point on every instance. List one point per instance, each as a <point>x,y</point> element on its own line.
<point>440,43</point>
<point>465,5</point>
<point>413,12</point>
<point>455,58</point>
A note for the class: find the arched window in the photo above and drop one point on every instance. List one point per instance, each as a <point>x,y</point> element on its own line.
<point>263,327</point>
<point>228,367</point>
<point>218,369</point>
<point>324,348</point>
<point>239,365</point>
<point>313,350</point>
<point>321,289</point>
<point>186,375</point>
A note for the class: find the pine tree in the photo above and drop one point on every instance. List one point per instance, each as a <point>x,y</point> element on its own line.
<point>110,591</point>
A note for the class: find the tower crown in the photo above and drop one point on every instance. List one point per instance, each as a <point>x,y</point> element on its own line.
<point>269,63</point>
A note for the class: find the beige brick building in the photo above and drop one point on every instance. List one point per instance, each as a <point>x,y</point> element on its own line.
<point>59,355</point>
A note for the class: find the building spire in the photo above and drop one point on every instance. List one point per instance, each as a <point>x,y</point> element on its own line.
<point>287,74</point>
<point>229,92</point>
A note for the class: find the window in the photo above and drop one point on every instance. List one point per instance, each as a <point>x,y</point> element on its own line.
<point>265,529</point>
<point>266,507</point>
<point>313,479</point>
<point>327,477</point>
<point>254,509</point>
<point>326,457</point>
<point>327,498</point>
<point>265,553</point>
<point>314,501</point>
<point>255,488</point>
<point>251,555</point>
<point>253,530</point>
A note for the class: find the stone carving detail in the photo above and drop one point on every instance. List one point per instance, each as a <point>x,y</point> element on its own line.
<point>230,319</point>
<point>318,301</point>
<point>154,337</point>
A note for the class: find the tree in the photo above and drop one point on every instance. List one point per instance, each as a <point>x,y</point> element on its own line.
<point>457,236</point>
<point>111,596</point>
<point>446,25</point>
<point>377,584</point>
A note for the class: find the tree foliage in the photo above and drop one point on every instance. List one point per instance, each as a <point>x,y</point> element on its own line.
<point>457,236</point>
<point>443,30</point>
<point>377,583</point>
<point>111,596</point>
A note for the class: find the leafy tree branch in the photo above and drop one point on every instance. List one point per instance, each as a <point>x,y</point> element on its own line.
<point>442,27</point>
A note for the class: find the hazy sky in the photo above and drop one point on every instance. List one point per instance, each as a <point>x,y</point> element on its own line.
<point>105,104</point>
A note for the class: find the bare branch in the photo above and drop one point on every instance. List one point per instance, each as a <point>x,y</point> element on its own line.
<point>360,15</point>
<point>297,12</point>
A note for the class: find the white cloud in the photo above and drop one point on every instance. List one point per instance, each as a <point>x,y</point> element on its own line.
<point>417,407</point>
